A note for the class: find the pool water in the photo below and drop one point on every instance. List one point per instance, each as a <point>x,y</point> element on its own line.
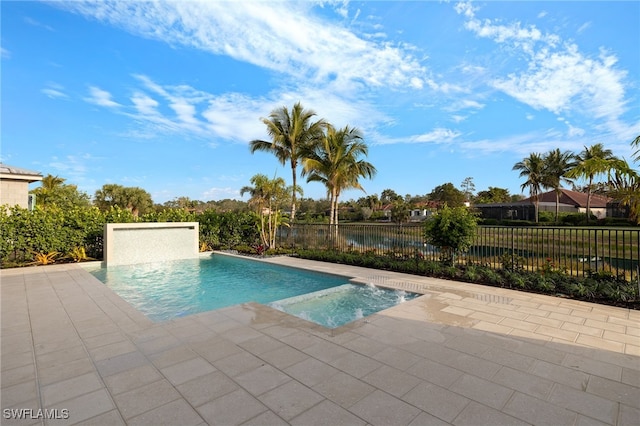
<point>343,304</point>
<point>167,290</point>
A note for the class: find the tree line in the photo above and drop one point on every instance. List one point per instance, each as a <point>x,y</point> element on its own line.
<point>553,169</point>
<point>337,158</point>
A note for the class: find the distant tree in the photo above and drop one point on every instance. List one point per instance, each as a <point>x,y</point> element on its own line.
<point>556,167</point>
<point>468,188</point>
<point>400,211</point>
<point>493,195</point>
<point>184,203</point>
<point>388,196</point>
<point>590,163</point>
<point>532,168</point>
<point>231,205</point>
<point>292,134</point>
<point>54,192</point>
<point>370,201</point>
<point>336,162</point>
<point>449,194</point>
<point>136,200</point>
<point>366,212</point>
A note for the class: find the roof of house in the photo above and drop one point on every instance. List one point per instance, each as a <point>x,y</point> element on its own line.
<point>574,198</point>
<point>11,172</point>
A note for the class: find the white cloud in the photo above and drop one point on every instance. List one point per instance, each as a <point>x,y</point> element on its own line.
<point>35,23</point>
<point>286,37</point>
<point>101,97</point>
<point>575,131</point>
<point>558,77</point>
<point>54,91</point>
<point>221,194</point>
<point>521,144</point>
<point>439,135</point>
<point>583,27</point>
<point>73,168</point>
<point>557,81</point>
<point>236,117</point>
<point>4,53</point>
<point>144,104</point>
<point>464,104</point>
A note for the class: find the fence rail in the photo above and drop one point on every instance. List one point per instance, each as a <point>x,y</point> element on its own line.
<point>579,251</point>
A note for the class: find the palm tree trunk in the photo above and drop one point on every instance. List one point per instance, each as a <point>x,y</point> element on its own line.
<point>589,199</point>
<point>557,205</point>
<point>335,219</point>
<point>293,194</point>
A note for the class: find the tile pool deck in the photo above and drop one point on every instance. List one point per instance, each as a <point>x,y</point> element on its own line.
<point>462,354</point>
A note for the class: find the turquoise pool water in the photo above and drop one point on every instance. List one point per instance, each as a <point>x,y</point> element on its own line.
<point>167,290</point>
<point>343,304</point>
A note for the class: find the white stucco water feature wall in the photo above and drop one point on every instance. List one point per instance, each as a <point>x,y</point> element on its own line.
<point>128,243</point>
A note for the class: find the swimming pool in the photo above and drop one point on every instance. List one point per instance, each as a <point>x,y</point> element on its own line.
<point>168,290</point>
<point>343,304</point>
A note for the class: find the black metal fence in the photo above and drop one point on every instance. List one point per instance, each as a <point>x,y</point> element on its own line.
<point>578,251</point>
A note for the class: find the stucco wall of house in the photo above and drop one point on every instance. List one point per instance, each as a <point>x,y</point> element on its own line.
<point>14,192</point>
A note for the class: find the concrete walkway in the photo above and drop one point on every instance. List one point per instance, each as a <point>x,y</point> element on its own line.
<point>462,354</point>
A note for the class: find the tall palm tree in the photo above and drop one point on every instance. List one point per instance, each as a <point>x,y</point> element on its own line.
<point>292,134</point>
<point>556,166</point>
<point>336,163</point>
<point>591,162</point>
<point>532,168</point>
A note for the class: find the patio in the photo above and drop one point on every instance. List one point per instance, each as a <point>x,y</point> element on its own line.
<point>462,354</point>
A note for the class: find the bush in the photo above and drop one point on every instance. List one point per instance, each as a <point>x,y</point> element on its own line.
<point>546,217</point>
<point>76,230</point>
<point>452,230</point>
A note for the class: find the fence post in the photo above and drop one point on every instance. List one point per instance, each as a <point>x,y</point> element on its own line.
<point>513,255</point>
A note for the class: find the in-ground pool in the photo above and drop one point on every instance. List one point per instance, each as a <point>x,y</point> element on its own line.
<point>168,290</point>
<point>340,305</point>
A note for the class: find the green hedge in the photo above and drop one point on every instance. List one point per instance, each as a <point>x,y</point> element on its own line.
<point>599,287</point>
<point>25,233</point>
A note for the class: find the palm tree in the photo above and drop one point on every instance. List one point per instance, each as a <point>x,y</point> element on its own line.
<point>625,187</point>
<point>556,166</point>
<point>50,182</point>
<point>292,134</point>
<point>532,168</point>
<point>591,162</point>
<point>267,195</point>
<point>336,163</point>
<point>636,143</point>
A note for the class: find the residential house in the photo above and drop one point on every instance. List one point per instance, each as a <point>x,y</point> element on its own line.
<point>14,186</point>
<point>569,202</point>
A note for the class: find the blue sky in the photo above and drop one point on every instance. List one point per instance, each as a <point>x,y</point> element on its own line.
<point>166,95</point>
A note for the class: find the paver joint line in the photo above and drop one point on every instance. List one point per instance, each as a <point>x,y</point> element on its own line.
<point>458,351</point>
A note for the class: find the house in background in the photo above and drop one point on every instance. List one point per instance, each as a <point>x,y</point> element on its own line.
<point>569,202</point>
<point>14,186</point>
<point>423,210</point>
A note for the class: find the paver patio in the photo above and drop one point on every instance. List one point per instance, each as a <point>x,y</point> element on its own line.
<point>461,354</point>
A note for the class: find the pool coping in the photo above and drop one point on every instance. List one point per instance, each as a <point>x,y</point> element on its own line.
<point>460,354</point>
